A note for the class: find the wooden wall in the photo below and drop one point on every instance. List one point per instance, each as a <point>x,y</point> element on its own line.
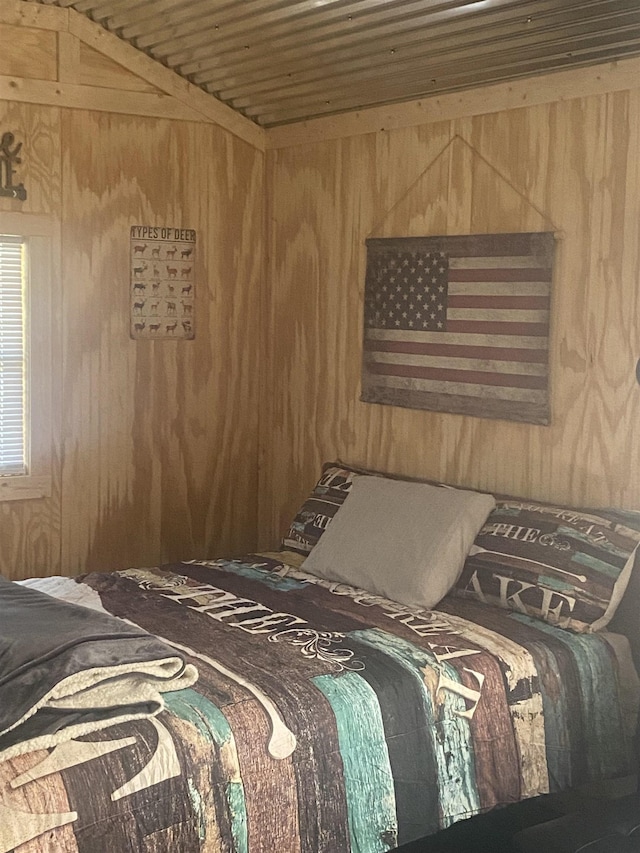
<point>568,163</point>
<point>155,443</point>
<point>177,449</point>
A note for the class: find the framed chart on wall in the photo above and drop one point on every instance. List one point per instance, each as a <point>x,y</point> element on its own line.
<point>162,282</point>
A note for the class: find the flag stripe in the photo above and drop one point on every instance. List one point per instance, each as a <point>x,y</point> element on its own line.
<point>498,274</point>
<point>496,262</point>
<point>499,288</point>
<point>489,392</point>
<point>466,376</point>
<point>456,350</point>
<point>516,341</point>
<point>489,301</point>
<point>503,367</point>
<point>497,315</point>
<point>496,328</point>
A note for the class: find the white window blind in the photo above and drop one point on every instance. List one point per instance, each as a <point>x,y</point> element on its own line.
<point>12,356</point>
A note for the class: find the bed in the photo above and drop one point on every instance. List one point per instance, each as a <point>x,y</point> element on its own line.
<point>329,717</point>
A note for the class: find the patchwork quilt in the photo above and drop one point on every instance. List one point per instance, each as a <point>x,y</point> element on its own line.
<point>324,719</point>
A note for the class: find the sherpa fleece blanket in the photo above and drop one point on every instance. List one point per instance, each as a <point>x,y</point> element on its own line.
<point>66,670</point>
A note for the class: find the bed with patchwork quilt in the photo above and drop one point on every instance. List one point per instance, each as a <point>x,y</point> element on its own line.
<point>329,718</point>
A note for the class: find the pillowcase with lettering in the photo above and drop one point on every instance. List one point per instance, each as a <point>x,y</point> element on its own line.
<point>569,567</point>
<point>317,512</point>
<point>328,495</point>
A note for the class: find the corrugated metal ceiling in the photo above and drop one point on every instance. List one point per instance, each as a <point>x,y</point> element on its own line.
<point>280,61</point>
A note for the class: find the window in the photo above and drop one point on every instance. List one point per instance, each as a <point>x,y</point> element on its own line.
<point>13,402</point>
<point>27,266</point>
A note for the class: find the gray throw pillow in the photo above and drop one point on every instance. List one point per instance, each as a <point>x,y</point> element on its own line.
<point>402,540</point>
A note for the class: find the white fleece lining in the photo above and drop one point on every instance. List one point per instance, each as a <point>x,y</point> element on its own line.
<point>104,687</point>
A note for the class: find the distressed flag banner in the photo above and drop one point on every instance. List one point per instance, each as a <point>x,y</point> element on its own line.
<point>459,324</point>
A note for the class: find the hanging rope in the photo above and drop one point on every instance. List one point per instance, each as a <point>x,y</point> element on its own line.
<point>557,233</point>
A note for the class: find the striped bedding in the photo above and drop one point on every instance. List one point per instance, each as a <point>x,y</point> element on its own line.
<point>324,719</point>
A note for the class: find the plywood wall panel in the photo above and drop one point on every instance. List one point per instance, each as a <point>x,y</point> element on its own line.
<point>208,388</point>
<point>38,129</point>
<point>28,52</point>
<point>95,69</point>
<point>611,401</point>
<point>406,164</point>
<point>161,443</point>
<point>154,451</point>
<point>30,529</point>
<point>30,537</point>
<point>557,166</point>
<point>313,329</point>
<point>160,437</point>
<point>110,476</point>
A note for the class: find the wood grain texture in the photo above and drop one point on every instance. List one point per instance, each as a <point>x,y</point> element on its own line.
<point>39,16</point>
<point>32,799</point>
<point>159,438</point>
<point>28,52</point>
<point>157,450</point>
<point>265,780</point>
<point>567,166</point>
<point>30,529</point>
<point>95,69</point>
<point>74,96</point>
<point>154,445</point>
<point>80,64</point>
<point>39,132</point>
<point>164,79</point>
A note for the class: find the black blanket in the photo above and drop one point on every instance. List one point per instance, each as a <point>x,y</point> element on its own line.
<point>66,670</point>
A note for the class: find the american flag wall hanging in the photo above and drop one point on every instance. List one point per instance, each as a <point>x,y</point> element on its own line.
<point>459,324</point>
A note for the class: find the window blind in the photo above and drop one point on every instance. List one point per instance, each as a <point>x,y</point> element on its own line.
<point>12,356</point>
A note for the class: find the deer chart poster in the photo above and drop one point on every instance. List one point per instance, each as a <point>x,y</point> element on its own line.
<point>162,282</point>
